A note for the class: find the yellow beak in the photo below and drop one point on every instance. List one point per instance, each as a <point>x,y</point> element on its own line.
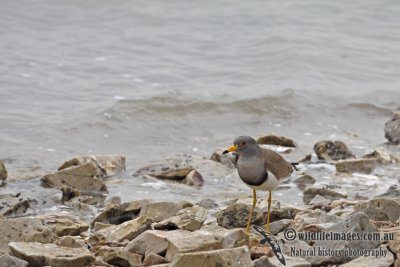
<point>231,149</point>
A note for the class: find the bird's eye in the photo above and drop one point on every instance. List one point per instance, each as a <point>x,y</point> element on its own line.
<point>243,143</point>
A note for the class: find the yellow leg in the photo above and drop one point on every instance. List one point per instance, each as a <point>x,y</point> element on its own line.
<point>251,212</point>
<point>269,211</point>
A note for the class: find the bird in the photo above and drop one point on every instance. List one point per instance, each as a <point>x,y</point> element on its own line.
<point>260,169</point>
<point>333,151</point>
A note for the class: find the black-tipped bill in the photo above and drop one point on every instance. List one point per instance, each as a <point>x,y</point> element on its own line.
<point>231,149</point>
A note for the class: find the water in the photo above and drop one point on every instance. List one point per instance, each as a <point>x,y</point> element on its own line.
<point>153,79</point>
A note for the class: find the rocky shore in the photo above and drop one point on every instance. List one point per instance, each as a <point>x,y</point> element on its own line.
<point>96,229</point>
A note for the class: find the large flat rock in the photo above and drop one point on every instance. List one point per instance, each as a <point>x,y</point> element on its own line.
<point>43,229</point>
<point>127,230</point>
<point>233,257</point>
<point>39,255</point>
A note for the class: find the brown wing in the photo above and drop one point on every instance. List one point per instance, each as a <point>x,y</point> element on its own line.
<point>276,164</point>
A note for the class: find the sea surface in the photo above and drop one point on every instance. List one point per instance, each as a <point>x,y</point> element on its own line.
<point>154,79</point>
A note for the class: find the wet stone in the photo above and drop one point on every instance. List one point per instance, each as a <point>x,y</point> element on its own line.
<point>392,129</point>
<point>382,156</point>
<point>3,171</point>
<point>304,180</point>
<point>82,177</point>
<point>275,140</point>
<point>108,165</point>
<point>13,205</point>
<point>178,169</point>
<point>207,203</point>
<point>366,166</point>
<point>228,159</point>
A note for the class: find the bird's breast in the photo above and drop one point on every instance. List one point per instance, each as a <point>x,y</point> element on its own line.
<point>252,171</point>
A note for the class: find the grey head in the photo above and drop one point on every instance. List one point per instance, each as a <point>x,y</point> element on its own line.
<point>244,145</point>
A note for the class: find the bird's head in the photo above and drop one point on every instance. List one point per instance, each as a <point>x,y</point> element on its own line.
<point>243,144</point>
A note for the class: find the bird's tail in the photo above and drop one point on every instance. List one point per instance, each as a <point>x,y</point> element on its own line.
<point>294,165</point>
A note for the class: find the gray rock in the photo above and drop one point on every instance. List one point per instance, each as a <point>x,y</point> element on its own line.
<point>10,261</point>
<point>382,156</point>
<point>319,201</point>
<point>125,231</point>
<point>311,192</point>
<point>278,226</point>
<point>314,217</point>
<point>228,159</point>
<point>236,216</point>
<point>384,259</point>
<point>190,219</point>
<point>207,203</point>
<point>13,205</point>
<point>305,180</point>
<point>357,223</point>
<point>392,192</point>
<point>288,212</point>
<point>271,139</point>
<point>84,212</point>
<point>177,169</point>
<point>116,214</point>
<point>234,238</point>
<point>380,209</point>
<point>159,211</point>
<point>108,165</point>
<point>154,241</point>
<point>81,177</point>
<point>193,178</point>
<point>392,129</point>
<point>356,165</point>
<point>234,257</point>
<point>332,151</point>
<point>118,256</point>
<point>38,255</point>
<point>3,171</point>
